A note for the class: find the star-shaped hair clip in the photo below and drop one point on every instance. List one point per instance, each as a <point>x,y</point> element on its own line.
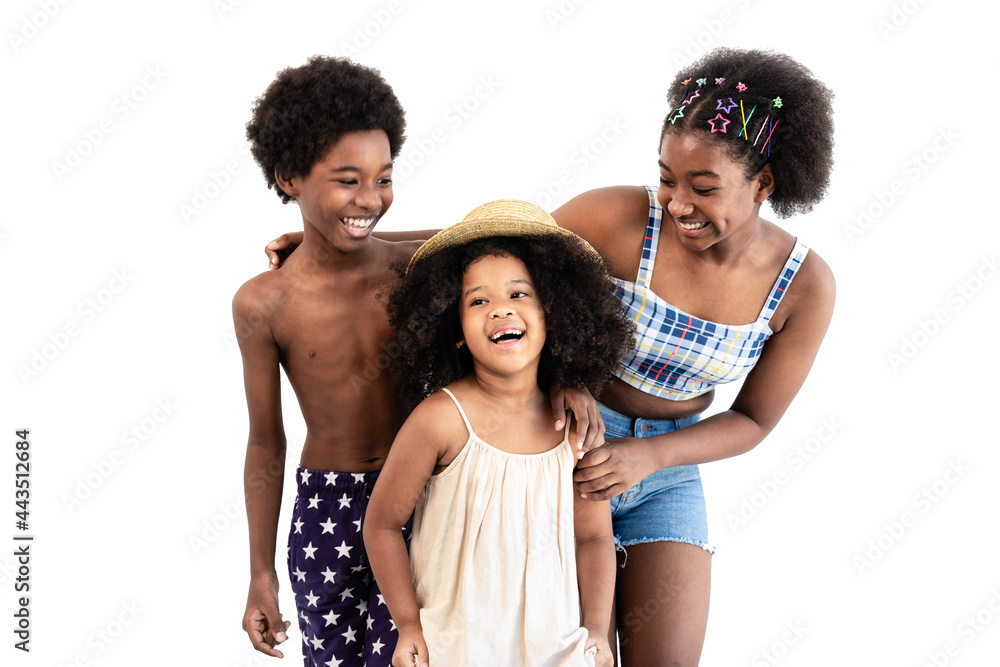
<point>741,87</point>
<point>701,82</point>
<point>720,81</point>
<point>721,106</point>
<point>725,122</point>
<point>777,102</point>
<point>696,93</point>
<point>686,81</point>
<point>677,114</point>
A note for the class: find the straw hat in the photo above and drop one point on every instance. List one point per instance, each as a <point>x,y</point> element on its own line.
<point>503,217</point>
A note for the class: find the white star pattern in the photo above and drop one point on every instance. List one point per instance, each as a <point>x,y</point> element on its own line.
<point>305,476</point>
<point>327,526</point>
<point>343,551</point>
<point>331,478</point>
<point>344,502</point>
<point>311,599</point>
<point>348,593</point>
<point>350,635</point>
<point>328,575</point>
<point>359,477</point>
<point>304,617</point>
<point>299,575</point>
<point>317,643</point>
<point>357,524</point>
<point>381,600</point>
<point>314,502</point>
<point>377,646</point>
<point>363,607</point>
<point>356,568</point>
<point>298,526</point>
<point>369,623</point>
<point>310,551</point>
<point>392,624</point>
<point>331,618</point>
<point>334,662</point>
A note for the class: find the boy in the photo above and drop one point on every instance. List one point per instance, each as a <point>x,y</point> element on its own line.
<point>325,135</point>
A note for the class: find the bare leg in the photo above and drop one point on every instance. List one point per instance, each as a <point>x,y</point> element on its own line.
<point>661,602</point>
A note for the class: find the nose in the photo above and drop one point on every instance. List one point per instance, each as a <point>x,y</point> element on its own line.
<point>501,311</point>
<point>367,197</point>
<point>678,206</point>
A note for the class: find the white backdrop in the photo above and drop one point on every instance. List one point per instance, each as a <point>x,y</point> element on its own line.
<point>859,532</point>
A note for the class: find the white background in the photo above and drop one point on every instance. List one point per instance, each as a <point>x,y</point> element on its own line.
<point>144,540</point>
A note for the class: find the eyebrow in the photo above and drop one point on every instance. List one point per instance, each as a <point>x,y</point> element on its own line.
<point>507,284</point>
<point>350,168</point>
<point>701,172</point>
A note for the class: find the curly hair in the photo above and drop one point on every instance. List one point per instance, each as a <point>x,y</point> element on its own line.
<point>307,109</point>
<point>586,328</point>
<point>779,94</point>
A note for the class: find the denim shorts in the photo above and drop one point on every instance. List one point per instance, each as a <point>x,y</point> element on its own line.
<point>668,505</point>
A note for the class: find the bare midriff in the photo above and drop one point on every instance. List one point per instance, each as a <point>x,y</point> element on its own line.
<point>636,403</point>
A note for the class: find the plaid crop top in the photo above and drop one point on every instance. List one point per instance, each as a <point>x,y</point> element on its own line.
<point>677,355</point>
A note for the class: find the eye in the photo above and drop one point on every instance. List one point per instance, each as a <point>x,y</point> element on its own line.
<point>704,191</point>
<point>385,181</point>
<point>347,181</point>
<point>518,294</point>
<point>477,302</point>
<point>666,182</point>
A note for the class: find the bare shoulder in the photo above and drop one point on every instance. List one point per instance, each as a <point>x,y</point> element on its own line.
<point>261,294</point>
<point>437,422</point>
<point>600,215</point>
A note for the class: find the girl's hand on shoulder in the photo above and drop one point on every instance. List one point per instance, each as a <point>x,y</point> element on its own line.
<point>280,248</point>
<point>600,650</point>
<point>411,649</point>
<point>588,425</point>
<point>605,472</point>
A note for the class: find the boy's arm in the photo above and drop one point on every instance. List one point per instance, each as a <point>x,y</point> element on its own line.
<point>263,469</point>
<point>280,248</point>
<point>595,565</point>
<point>410,463</point>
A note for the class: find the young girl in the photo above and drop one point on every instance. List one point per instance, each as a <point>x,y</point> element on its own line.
<point>509,565</point>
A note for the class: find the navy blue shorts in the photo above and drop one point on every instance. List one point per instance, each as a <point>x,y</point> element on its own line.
<point>342,616</point>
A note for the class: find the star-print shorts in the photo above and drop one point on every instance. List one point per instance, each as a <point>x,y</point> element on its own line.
<point>342,616</point>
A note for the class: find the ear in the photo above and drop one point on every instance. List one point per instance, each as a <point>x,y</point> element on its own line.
<point>290,186</point>
<point>764,184</point>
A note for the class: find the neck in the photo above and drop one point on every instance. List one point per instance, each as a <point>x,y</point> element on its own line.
<point>325,255</point>
<point>516,392</point>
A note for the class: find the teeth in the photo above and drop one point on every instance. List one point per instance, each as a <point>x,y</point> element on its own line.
<point>691,226</point>
<point>516,332</point>
<point>359,223</point>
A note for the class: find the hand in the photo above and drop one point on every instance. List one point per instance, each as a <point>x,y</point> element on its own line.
<point>261,620</point>
<point>589,425</point>
<point>598,647</point>
<point>607,471</point>
<point>411,650</point>
<point>280,248</point>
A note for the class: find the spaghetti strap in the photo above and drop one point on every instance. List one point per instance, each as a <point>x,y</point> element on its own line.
<point>460,410</point>
<point>788,272</point>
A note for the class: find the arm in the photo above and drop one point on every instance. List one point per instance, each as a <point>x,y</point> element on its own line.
<point>410,463</point>
<point>766,394</point>
<point>262,472</point>
<point>588,425</point>
<point>595,565</point>
<point>280,248</point>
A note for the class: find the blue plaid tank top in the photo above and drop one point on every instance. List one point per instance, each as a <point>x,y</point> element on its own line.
<point>677,355</point>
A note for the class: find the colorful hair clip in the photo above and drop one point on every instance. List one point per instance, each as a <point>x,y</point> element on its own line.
<point>720,81</point>
<point>768,140</point>
<point>701,82</point>
<point>686,81</point>
<point>697,93</point>
<point>725,122</point>
<point>763,125</point>
<point>777,102</point>
<point>743,132</point>
<point>740,87</point>
<point>719,106</point>
<point>677,114</point>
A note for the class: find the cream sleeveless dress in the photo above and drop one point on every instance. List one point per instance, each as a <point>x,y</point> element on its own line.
<point>493,558</point>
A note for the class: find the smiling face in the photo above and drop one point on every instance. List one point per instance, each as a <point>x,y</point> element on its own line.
<point>705,193</point>
<point>346,191</point>
<point>501,316</point>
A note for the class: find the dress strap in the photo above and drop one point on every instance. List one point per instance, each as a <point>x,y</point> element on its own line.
<point>650,240</point>
<point>460,410</point>
<point>784,280</point>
